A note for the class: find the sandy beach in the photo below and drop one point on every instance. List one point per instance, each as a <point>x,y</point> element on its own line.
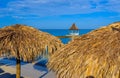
<point>28,70</point>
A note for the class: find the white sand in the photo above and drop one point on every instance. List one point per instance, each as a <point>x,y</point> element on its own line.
<point>27,70</point>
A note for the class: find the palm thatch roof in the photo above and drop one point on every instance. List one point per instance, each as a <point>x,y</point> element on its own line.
<point>93,55</point>
<point>73,27</point>
<point>26,42</point>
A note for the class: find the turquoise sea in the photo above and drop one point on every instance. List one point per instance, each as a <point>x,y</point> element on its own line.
<point>63,32</point>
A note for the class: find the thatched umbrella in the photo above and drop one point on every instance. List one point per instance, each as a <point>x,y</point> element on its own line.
<point>93,55</point>
<point>25,43</point>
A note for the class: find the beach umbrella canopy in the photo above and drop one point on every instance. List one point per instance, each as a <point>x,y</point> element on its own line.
<point>26,43</point>
<point>93,55</point>
<point>73,27</point>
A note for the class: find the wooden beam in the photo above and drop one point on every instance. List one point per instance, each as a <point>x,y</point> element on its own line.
<point>66,36</point>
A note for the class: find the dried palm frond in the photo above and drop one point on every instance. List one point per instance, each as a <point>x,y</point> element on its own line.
<point>26,42</point>
<point>95,54</point>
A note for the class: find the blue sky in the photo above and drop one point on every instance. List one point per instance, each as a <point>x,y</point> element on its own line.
<point>59,14</point>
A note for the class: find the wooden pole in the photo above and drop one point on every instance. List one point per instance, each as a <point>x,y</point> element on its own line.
<point>72,37</point>
<point>18,68</point>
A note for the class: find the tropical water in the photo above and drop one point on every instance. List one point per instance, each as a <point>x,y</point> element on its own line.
<point>63,32</point>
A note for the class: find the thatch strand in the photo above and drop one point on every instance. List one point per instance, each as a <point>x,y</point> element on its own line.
<point>96,54</point>
<point>29,42</point>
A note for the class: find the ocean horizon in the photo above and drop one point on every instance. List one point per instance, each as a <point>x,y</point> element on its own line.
<point>63,32</point>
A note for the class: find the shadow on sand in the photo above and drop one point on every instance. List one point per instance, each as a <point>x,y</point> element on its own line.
<point>4,74</point>
<point>41,66</point>
<point>10,62</point>
<point>1,71</point>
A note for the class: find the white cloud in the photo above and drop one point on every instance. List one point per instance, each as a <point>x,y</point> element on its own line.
<point>59,7</point>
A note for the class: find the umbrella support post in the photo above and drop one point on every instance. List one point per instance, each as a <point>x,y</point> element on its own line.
<point>18,68</point>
